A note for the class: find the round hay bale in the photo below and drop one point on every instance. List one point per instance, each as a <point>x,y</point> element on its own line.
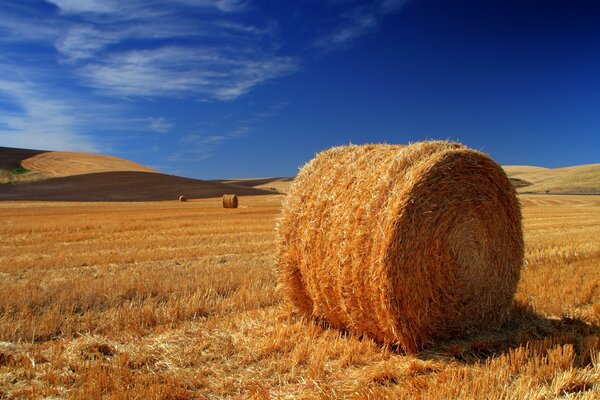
<point>406,244</point>
<point>230,201</point>
<point>182,198</point>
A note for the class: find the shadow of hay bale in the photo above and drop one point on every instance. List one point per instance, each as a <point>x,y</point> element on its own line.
<point>525,329</point>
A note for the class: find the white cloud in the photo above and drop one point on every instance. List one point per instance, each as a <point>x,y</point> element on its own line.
<point>221,5</point>
<point>41,122</point>
<point>134,48</point>
<point>196,147</point>
<point>19,30</point>
<point>159,124</point>
<point>218,73</point>
<point>85,6</point>
<point>123,9</point>
<point>355,26</point>
<point>357,22</point>
<point>83,41</point>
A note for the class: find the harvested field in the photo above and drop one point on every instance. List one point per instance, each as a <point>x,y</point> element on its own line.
<point>65,163</point>
<point>578,179</point>
<point>155,300</point>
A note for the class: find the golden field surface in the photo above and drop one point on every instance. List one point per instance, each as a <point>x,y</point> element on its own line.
<point>578,179</point>
<point>66,163</point>
<point>179,301</point>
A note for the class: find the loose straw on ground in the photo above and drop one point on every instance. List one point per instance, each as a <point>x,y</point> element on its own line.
<point>406,244</point>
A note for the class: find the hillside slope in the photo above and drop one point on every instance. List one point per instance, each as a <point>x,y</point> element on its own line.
<point>11,170</point>
<point>63,163</point>
<point>70,176</point>
<point>579,179</point>
<point>10,157</point>
<point>121,186</point>
<point>278,185</point>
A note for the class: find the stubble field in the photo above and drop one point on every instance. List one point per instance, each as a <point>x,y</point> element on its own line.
<point>179,301</point>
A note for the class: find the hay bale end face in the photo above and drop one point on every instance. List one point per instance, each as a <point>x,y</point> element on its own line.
<point>182,198</point>
<point>407,244</point>
<point>230,201</point>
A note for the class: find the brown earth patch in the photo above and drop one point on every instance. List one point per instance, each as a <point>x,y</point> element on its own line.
<point>121,186</point>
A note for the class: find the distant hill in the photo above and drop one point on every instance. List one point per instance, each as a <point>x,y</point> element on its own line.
<point>579,179</point>
<point>50,175</point>
<point>279,185</point>
<point>65,176</point>
<point>63,163</point>
<point>121,186</point>
<point>10,158</point>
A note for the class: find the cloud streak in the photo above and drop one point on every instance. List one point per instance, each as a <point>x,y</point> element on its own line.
<point>39,121</point>
<point>356,22</point>
<point>155,49</point>
<point>214,73</point>
<point>74,57</point>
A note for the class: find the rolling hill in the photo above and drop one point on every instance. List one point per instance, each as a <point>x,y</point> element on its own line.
<point>579,179</point>
<point>65,176</point>
<point>280,185</point>
<point>55,175</point>
<point>62,163</point>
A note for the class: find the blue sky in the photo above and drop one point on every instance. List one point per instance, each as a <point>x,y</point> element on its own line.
<point>243,88</point>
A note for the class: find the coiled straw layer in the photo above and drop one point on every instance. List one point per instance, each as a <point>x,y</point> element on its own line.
<point>406,244</point>
<point>230,201</point>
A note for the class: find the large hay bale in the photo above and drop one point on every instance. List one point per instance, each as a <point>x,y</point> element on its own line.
<point>182,198</point>
<point>230,201</point>
<point>407,244</point>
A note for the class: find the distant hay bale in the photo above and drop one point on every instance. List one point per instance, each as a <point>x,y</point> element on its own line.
<point>406,244</point>
<point>230,201</point>
<point>182,198</point>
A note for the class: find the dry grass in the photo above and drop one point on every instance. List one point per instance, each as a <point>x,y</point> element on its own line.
<point>7,176</point>
<point>407,244</point>
<point>151,300</point>
<point>576,179</point>
<point>65,163</point>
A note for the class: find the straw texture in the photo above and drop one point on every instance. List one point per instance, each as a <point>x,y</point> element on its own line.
<point>230,201</point>
<point>406,244</point>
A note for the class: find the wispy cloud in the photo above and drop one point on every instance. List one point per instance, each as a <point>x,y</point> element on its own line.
<point>221,5</point>
<point>218,73</point>
<point>39,115</point>
<point>196,147</point>
<point>85,6</point>
<point>201,144</point>
<point>356,22</point>
<point>123,9</point>
<point>98,52</point>
<point>40,122</point>
<point>159,124</point>
<point>155,49</point>
<point>82,41</point>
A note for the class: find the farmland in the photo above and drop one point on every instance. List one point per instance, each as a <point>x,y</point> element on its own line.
<point>180,301</point>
